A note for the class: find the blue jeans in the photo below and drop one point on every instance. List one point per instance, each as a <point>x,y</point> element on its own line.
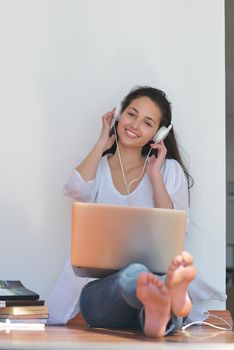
<point>111,302</point>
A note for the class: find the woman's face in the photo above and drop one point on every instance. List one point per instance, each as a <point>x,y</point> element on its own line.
<point>139,122</point>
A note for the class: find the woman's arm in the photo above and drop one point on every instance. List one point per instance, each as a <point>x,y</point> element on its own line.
<point>82,185</point>
<point>160,194</point>
<point>88,167</point>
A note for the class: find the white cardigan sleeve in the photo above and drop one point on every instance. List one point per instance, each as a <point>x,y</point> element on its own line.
<point>176,184</point>
<point>81,190</point>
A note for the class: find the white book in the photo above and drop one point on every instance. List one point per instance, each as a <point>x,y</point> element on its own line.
<point>22,326</point>
<point>23,320</point>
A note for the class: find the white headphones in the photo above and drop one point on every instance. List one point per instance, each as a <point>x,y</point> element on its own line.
<point>160,135</point>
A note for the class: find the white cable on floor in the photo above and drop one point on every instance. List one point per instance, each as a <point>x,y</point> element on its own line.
<point>230,327</point>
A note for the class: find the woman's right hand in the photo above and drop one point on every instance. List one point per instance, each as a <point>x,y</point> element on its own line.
<point>88,167</point>
<point>105,139</point>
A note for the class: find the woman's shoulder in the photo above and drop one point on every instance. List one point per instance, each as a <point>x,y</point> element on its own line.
<point>103,161</point>
<point>172,165</point>
<point>103,164</point>
<point>173,172</point>
<point>102,169</point>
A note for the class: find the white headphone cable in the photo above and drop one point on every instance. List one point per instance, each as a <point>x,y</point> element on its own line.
<point>120,160</point>
<point>122,169</point>
<point>142,173</point>
<point>229,328</point>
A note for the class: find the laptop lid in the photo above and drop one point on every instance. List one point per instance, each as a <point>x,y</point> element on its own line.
<point>106,238</point>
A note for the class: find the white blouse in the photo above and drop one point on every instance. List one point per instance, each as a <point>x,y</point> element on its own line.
<point>102,189</point>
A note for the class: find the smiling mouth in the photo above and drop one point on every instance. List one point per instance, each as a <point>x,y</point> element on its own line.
<point>131,134</point>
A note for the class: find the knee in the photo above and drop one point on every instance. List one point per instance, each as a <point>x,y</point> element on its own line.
<point>85,309</point>
<point>134,269</point>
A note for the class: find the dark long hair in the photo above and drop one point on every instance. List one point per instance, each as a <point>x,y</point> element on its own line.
<point>160,99</point>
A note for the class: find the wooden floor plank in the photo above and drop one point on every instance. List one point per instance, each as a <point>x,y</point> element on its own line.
<point>78,333</point>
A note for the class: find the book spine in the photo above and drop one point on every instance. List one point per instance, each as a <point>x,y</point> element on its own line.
<point>5,303</point>
<point>22,310</point>
<point>27,316</point>
<point>21,320</point>
<point>22,326</point>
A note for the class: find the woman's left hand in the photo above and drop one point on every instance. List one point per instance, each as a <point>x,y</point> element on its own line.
<point>155,163</point>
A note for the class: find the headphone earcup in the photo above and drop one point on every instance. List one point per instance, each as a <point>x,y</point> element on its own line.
<point>162,133</point>
<point>116,115</point>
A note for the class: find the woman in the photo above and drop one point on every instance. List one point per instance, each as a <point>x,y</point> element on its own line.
<point>134,297</point>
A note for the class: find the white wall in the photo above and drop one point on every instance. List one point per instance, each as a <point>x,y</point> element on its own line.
<point>229,4</point>
<point>62,65</point>
<point>229,27</point>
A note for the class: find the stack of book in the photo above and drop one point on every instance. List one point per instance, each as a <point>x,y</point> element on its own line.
<point>19,305</point>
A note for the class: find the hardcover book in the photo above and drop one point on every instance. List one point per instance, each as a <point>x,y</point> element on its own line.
<point>13,290</point>
<point>26,302</point>
<point>24,317</point>
<point>23,310</point>
<point>31,321</point>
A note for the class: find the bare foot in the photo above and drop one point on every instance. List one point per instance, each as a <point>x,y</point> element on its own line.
<point>179,275</point>
<point>155,297</point>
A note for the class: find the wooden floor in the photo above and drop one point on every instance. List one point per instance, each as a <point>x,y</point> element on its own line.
<point>77,336</point>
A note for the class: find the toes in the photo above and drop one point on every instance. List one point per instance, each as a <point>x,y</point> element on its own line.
<point>164,290</point>
<point>187,258</point>
<point>161,286</point>
<point>151,277</point>
<point>143,279</point>
<point>184,259</point>
<point>158,282</point>
<point>174,264</point>
<point>146,278</point>
<point>179,259</point>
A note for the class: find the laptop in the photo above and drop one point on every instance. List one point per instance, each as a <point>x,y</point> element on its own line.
<point>106,238</point>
